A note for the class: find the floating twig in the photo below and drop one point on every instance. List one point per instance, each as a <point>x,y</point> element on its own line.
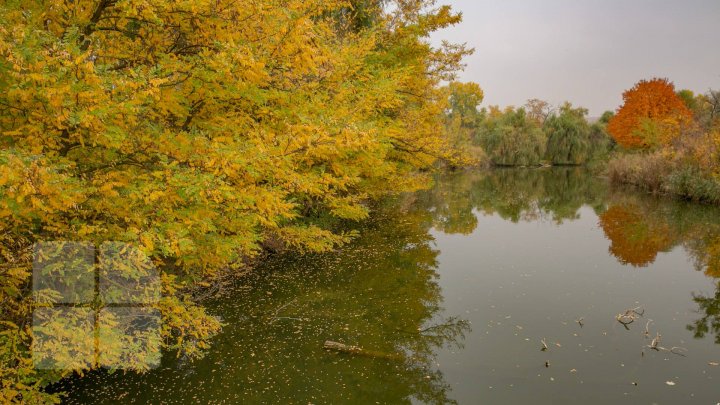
<point>655,342</point>
<point>647,326</point>
<point>275,316</point>
<point>629,316</point>
<point>655,345</point>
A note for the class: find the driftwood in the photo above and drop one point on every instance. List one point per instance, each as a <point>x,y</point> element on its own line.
<point>359,351</point>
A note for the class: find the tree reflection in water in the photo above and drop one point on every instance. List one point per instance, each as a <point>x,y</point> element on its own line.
<point>709,323</point>
<point>638,226</point>
<point>555,194</point>
<point>382,293</point>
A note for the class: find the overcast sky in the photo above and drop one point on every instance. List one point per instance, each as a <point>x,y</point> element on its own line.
<point>585,51</point>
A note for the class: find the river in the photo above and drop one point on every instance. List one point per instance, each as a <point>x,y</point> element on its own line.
<point>499,286</point>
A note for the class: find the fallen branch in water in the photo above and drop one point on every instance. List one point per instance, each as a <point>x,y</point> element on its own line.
<point>655,345</point>
<point>275,316</point>
<point>629,316</point>
<point>359,351</point>
<point>673,350</point>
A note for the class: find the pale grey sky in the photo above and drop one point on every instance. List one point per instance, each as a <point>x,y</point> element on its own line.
<point>585,51</point>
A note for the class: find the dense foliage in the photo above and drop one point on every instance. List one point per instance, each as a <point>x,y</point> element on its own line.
<point>203,132</point>
<point>686,159</point>
<point>463,118</point>
<point>651,115</point>
<point>515,140</point>
<point>464,100</point>
<point>535,134</point>
<point>568,136</point>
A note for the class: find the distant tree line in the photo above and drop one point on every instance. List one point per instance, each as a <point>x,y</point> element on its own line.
<point>534,134</point>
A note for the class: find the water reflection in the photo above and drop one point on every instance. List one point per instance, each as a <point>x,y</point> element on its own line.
<point>383,293</point>
<point>554,194</point>
<point>380,293</point>
<point>709,308</point>
<point>516,195</point>
<point>639,227</point>
<point>634,239</point>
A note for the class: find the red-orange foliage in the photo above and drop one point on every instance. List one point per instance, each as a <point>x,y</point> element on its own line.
<point>634,240</point>
<point>651,114</point>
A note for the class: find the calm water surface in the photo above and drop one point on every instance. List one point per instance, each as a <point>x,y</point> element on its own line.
<point>452,293</point>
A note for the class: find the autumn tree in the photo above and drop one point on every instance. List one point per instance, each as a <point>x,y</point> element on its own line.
<point>538,110</point>
<point>463,118</point>
<point>707,110</point>
<point>651,115</point>
<point>465,98</point>
<point>203,132</point>
<point>712,98</point>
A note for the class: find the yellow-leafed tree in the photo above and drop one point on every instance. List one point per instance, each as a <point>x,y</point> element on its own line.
<point>202,131</point>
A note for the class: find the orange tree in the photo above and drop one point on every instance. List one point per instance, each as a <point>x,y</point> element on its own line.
<point>651,115</point>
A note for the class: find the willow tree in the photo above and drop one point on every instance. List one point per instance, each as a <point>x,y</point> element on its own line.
<point>202,132</point>
<point>515,140</point>
<point>568,136</point>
